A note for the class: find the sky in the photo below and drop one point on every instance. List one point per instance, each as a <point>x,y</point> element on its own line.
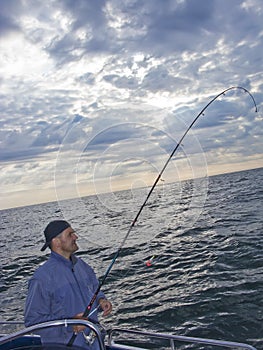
<point>95,95</point>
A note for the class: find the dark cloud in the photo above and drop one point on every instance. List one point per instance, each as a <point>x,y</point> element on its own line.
<point>159,79</point>
<point>179,24</point>
<point>9,17</point>
<point>7,25</point>
<point>87,78</point>
<point>122,82</point>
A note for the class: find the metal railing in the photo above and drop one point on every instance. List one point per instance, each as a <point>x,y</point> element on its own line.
<point>172,339</point>
<point>119,338</point>
<point>57,323</point>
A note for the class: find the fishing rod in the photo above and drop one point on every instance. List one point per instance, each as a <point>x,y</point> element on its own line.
<point>116,255</point>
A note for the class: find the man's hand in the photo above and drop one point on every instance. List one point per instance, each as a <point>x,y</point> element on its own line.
<point>106,306</point>
<point>78,329</point>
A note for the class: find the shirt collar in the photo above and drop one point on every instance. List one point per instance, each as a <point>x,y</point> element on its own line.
<point>73,259</point>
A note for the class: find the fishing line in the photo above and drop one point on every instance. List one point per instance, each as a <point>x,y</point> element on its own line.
<point>116,255</point>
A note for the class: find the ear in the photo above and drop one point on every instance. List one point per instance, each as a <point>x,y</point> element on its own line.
<point>55,243</point>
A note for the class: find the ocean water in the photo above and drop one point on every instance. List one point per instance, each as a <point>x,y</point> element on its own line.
<point>206,240</point>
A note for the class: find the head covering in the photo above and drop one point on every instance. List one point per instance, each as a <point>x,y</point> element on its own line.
<point>53,229</point>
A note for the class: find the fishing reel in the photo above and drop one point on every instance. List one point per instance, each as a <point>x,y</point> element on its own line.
<point>90,338</point>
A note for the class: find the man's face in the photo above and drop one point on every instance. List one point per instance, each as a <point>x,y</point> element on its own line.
<point>67,241</point>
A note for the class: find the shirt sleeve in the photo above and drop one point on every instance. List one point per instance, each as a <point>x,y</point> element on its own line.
<point>37,307</point>
<point>93,280</point>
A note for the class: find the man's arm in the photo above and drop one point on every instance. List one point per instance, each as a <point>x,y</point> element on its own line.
<point>37,307</point>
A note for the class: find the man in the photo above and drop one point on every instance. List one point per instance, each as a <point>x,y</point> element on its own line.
<point>62,287</point>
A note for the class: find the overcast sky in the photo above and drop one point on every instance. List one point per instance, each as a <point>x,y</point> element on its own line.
<point>95,94</point>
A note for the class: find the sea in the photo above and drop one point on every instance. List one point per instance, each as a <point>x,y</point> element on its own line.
<point>191,264</point>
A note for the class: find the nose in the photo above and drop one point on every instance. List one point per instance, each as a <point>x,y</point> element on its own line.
<point>75,235</point>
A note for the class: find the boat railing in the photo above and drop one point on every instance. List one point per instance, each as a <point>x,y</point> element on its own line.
<point>4,339</point>
<point>120,338</point>
<point>126,339</point>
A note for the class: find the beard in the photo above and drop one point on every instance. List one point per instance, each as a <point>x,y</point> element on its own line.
<point>75,247</point>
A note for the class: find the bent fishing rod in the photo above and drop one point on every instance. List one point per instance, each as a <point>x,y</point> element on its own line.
<point>116,255</point>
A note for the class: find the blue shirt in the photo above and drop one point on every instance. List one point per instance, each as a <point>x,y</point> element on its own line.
<point>60,289</point>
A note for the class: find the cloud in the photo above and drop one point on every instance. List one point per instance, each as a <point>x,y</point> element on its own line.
<point>7,25</point>
<point>70,63</point>
<point>8,17</point>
